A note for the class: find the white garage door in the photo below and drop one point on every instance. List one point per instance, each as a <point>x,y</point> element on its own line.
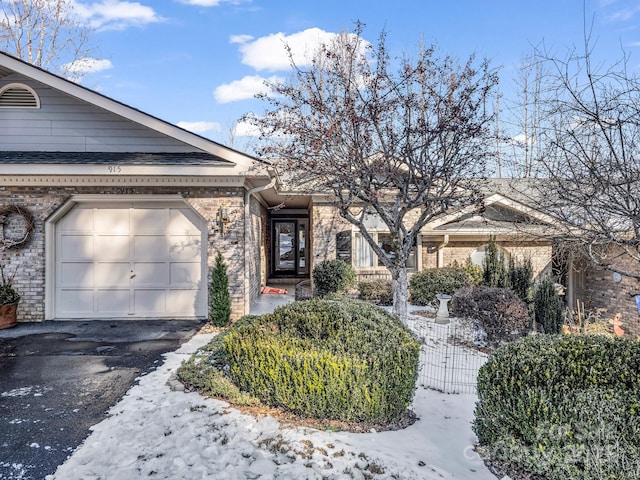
<point>130,260</point>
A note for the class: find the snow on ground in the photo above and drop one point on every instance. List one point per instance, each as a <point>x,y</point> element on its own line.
<point>157,432</point>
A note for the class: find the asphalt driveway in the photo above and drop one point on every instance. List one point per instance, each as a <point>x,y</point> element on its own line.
<point>57,379</point>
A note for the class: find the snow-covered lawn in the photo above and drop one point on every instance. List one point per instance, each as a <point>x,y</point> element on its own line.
<point>156,432</point>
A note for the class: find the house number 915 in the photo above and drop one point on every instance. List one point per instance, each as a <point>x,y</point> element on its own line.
<point>114,169</point>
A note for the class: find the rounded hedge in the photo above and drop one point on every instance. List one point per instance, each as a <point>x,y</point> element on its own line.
<point>333,276</point>
<point>562,407</point>
<point>331,359</point>
<point>426,284</point>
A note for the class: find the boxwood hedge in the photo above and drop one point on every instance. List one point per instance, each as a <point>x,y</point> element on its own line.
<point>563,407</point>
<point>331,359</point>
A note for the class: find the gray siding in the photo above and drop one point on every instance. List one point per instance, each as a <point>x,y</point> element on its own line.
<point>66,124</point>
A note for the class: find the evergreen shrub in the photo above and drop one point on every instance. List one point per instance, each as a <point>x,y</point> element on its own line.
<point>426,284</point>
<point>562,407</point>
<point>548,307</point>
<point>494,269</point>
<point>377,291</point>
<point>333,276</point>
<point>219,297</point>
<point>330,359</point>
<point>521,279</point>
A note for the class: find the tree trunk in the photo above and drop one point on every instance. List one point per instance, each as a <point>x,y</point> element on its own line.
<point>400,285</point>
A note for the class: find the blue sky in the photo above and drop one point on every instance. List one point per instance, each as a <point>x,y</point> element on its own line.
<point>197,63</point>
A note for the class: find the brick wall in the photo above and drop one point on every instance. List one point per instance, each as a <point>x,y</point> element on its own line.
<point>257,248</point>
<point>602,292</point>
<point>29,262</point>
<point>540,254</point>
<point>326,222</point>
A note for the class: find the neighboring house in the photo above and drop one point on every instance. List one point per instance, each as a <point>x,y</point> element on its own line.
<point>130,211</point>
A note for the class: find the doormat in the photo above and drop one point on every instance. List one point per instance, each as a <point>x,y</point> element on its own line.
<point>270,290</point>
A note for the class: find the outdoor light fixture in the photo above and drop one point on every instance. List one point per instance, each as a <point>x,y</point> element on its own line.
<point>222,218</point>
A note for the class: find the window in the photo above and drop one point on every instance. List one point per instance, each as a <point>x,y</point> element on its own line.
<point>477,257</point>
<point>366,257</point>
<point>17,95</point>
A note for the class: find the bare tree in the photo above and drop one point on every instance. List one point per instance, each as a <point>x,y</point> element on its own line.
<point>401,139</point>
<point>45,33</point>
<point>527,115</point>
<point>592,157</point>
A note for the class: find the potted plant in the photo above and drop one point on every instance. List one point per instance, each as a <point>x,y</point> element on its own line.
<point>9,299</point>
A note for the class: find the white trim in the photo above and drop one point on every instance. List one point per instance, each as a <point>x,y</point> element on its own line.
<point>23,87</point>
<point>50,235</point>
<point>36,180</point>
<point>496,198</point>
<point>117,170</point>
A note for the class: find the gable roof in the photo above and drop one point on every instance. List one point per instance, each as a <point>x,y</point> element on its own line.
<point>10,65</point>
<point>499,212</point>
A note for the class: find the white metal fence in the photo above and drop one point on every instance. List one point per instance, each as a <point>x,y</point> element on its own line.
<point>449,357</point>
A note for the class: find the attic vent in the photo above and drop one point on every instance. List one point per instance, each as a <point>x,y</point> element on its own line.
<point>17,95</point>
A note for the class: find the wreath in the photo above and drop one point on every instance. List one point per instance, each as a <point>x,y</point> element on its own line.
<point>27,228</point>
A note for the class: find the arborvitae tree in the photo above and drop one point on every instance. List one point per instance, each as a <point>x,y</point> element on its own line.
<point>219,297</point>
<point>548,307</point>
<point>494,271</point>
<point>521,279</point>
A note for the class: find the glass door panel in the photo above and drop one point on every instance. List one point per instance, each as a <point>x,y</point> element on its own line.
<point>284,247</point>
<point>302,248</point>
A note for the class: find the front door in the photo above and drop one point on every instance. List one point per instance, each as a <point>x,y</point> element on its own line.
<point>290,247</point>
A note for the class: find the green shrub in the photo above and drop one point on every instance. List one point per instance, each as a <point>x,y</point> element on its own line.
<point>521,279</point>
<point>205,371</point>
<point>548,307</point>
<point>345,360</point>
<point>333,276</point>
<point>474,272</point>
<point>562,407</point>
<point>426,284</point>
<point>376,291</point>
<point>499,311</point>
<point>494,270</point>
<point>219,297</point>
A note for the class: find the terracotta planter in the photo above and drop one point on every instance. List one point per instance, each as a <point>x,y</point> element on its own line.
<point>8,315</point>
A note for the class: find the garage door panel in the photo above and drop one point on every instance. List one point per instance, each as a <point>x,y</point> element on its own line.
<point>76,274</point>
<point>180,224</point>
<point>151,274</point>
<point>149,220</point>
<point>110,221</point>
<point>185,247</point>
<point>77,247</point>
<point>112,247</point>
<point>150,247</point>
<point>112,274</point>
<point>78,220</point>
<point>150,301</point>
<point>182,301</point>
<point>185,274</point>
<point>78,301</point>
<point>113,301</point>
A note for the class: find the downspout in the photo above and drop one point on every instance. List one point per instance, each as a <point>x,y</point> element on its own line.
<point>445,242</point>
<point>247,235</point>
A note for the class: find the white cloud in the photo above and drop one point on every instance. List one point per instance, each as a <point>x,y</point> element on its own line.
<point>211,3</point>
<point>240,38</point>
<point>202,3</point>
<point>245,129</point>
<point>243,89</point>
<point>269,53</point>
<point>116,15</point>
<point>87,65</point>
<point>200,127</point>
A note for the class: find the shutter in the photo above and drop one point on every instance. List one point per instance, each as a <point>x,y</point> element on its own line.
<point>343,246</point>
